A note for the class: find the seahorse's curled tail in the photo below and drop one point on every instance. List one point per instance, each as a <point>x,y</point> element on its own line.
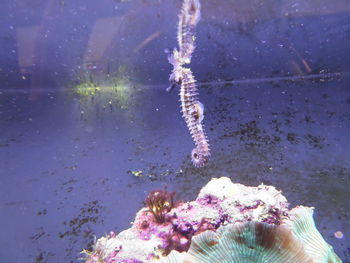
<point>192,108</point>
<point>192,112</point>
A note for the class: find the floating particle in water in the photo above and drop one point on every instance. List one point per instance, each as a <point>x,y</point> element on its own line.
<point>338,234</point>
<point>137,173</point>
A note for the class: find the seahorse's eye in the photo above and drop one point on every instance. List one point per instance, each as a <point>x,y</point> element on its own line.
<point>192,8</point>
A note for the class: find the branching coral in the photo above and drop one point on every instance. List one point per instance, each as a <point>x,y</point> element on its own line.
<point>160,202</point>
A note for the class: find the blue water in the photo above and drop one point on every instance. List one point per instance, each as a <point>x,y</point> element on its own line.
<point>67,161</point>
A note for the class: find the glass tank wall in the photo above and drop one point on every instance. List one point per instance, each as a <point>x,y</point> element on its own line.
<point>87,128</point>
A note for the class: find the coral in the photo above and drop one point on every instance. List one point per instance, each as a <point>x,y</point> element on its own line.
<point>250,242</point>
<point>159,203</point>
<point>303,227</point>
<point>192,109</point>
<point>297,240</point>
<point>255,217</point>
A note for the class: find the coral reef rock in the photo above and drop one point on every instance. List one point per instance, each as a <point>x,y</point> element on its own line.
<point>296,240</point>
<point>226,223</point>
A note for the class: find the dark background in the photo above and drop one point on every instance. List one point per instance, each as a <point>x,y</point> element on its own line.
<point>274,80</point>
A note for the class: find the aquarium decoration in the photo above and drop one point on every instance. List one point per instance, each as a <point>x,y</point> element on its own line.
<point>192,108</point>
<point>227,222</point>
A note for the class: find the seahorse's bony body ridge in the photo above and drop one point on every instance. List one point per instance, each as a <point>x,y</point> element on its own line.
<point>192,109</point>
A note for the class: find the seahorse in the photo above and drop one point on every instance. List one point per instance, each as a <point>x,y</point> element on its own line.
<point>192,109</point>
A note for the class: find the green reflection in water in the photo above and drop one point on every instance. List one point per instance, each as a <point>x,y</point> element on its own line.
<point>113,91</point>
